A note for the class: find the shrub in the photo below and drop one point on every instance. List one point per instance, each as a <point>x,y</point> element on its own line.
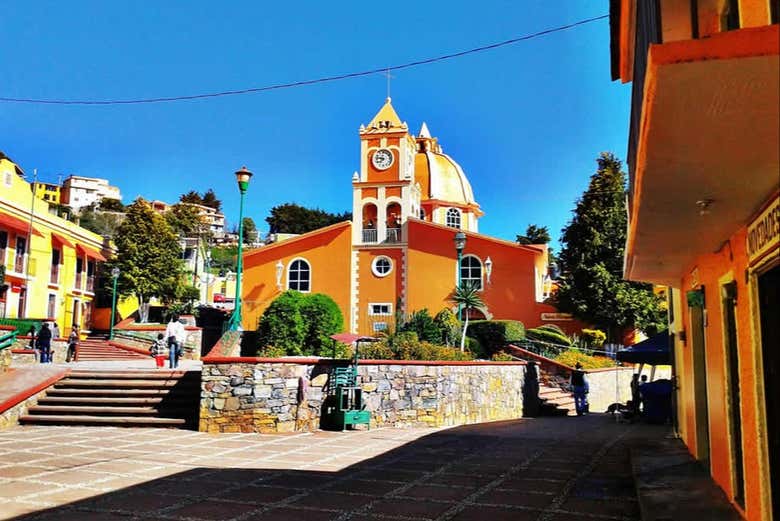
<point>406,346</point>
<point>593,337</point>
<point>281,325</point>
<point>321,318</point>
<point>475,348</point>
<point>272,352</point>
<point>423,324</point>
<point>502,356</point>
<point>449,327</point>
<point>493,335</point>
<point>552,327</point>
<point>572,356</point>
<point>545,335</point>
<point>376,351</point>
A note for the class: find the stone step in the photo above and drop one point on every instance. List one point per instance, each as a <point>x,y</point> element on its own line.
<point>87,410</point>
<point>86,392</point>
<point>159,374</point>
<point>125,421</point>
<point>125,383</point>
<point>118,400</point>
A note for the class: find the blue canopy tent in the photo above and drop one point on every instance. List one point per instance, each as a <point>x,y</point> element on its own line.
<point>653,351</point>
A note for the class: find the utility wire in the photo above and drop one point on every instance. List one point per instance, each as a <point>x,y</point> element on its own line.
<point>382,70</point>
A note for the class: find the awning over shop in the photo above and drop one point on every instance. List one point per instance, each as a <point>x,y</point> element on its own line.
<point>653,351</point>
<point>89,252</point>
<point>59,240</point>
<point>17,225</point>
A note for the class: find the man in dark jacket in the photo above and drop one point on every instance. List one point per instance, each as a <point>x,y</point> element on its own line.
<point>579,386</point>
<point>44,343</point>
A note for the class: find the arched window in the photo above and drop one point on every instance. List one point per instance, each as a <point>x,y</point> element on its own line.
<point>422,214</point>
<point>299,276</point>
<point>453,218</point>
<point>471,271</point>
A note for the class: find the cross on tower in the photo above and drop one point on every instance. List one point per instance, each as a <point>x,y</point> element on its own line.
<point>387,75</point>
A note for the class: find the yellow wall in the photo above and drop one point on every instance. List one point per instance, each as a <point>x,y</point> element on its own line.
<point>17,201</point>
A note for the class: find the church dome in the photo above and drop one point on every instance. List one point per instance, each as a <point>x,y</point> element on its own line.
<point>439,176</point>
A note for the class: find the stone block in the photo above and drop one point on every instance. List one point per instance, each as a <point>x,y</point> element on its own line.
<point>236,381</point>
<point>319,381</point>
<point>263,391</point>
<point>285,426</point>
<point>218,403</point>
<point>242,390</point>
<point>272,381</point>
<point>231,404</point>
<point>369,387</point>
<point>291,383</point>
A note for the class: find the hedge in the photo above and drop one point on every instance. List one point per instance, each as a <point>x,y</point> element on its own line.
<point>572,357</point>
<point>494,335</point>
<point>546,335</point>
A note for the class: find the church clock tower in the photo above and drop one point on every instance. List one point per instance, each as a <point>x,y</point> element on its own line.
<point>384,191</point>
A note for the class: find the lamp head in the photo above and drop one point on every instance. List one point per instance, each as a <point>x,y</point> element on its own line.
<point>460,241</point>
<point>243,176</point>
<point>115,272</point>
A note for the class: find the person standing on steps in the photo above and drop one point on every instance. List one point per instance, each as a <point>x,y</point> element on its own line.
<point>73,342</point>
<point>174,334</point>
<point>44,343</point>
<point>579,386</point>
<point>55,330</point>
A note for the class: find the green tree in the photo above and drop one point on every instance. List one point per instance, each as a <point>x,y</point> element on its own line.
<point>111,205</point>
<point>223,259</point>
<point>281,325</point>
<point>148,257</point>
<point>591,286</point>
<point>250,231</point>
<point>535,235</point>
<point>322,318</point>
<point>423,324</point>
<point>106,224</point>
<point>293,218</point>
<point>466,296</point>
<point>191,197</point>
<point>185,220</point>
<point>210,200</point>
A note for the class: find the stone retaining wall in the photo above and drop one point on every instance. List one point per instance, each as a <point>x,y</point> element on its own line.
<point>143,338</point>
<point>21,354</point>
<point>283,396</point>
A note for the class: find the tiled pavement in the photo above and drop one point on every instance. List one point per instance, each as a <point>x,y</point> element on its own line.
<point>550,469</point>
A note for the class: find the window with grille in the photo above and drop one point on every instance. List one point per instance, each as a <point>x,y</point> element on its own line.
<point>453,218</point>
<point>471,271</point>
<point>299,276</point>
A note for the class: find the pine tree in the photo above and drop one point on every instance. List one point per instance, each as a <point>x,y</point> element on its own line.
<point>534,235</point>
<point>591,286</point>
<point>148,256</point>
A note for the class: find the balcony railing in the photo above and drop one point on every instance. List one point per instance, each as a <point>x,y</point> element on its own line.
<point>77,285</point>
<point>393,235</point>
<point>370,236</point>
<point>54,278</point>
<point>91,283</point>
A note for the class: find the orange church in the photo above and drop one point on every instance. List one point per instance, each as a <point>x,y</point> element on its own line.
<point>409,199</point>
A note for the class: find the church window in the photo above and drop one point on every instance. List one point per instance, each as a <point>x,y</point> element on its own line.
<point>299,276</point>
<point>453,218</point>
<point>381,266</point>
<point>422,214</point>
<point>471,271</point>
<point>380,309</point>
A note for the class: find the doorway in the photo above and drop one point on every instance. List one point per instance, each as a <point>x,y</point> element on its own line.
<point>769,310</point>
<point>729,301</point>
<point>698,317</point>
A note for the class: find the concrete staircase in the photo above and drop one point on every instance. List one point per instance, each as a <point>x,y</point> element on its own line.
<point>555,402</point>
<point>98,349</point>
<point>161,398</point>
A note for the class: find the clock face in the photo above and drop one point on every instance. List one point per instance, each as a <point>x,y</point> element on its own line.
<point>382,159</point>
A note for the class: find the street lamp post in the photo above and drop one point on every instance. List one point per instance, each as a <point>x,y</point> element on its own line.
<point>115,276</point>
<point>242,176</point>
<point>460,245</point>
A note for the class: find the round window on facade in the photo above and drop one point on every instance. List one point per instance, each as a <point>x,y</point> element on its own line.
<point>382,266</point>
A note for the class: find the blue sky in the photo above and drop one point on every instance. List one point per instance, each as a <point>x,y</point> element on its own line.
<point>526,121</point>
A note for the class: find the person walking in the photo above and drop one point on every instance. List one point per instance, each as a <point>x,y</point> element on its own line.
<point>73,342</point>
<point>158,350</point>
<point>44,343</point>
<point>174,333</point>
<point>635,394</point>
<point>55,330</point>
<point>579,386</point>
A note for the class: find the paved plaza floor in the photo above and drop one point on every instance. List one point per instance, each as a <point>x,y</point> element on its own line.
<point>545,469</point>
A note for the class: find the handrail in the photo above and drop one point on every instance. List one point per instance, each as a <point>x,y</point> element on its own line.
<point>7,339</point>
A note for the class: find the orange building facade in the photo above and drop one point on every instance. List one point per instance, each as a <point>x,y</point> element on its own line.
<point>409,201</point>
<point>704,164</point>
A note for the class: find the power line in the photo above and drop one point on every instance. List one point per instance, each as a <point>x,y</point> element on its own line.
<point>327,79</point>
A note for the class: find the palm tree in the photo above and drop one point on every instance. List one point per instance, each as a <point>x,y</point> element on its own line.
<point>466,296</point>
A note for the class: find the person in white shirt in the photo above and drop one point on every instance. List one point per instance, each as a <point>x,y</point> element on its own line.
<point>174,335</point>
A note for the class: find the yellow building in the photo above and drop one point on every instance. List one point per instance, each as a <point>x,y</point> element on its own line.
<point>48,192</point>
<point>704,219</point>
<point>49,264</point>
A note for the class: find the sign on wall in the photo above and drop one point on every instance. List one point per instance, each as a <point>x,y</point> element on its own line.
<point>763,234</point>
<point>557,316</point>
